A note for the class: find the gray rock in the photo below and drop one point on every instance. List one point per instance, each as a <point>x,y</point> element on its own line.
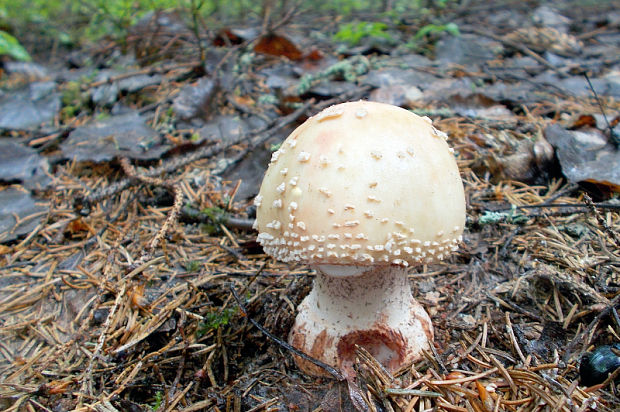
<point>585,155</point>
<point>222,129</point>
<point>546,16</point>
<point>18,203</point>
<point>29,107</point>
<point>23,164</point>
<point>108,93</point>
<point>391,76</point>
<point>466,50</point>
<point>192,100</point>
<point>124,135</point>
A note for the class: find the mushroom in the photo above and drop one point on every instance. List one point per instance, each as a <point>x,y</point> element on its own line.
<point>361,192</point>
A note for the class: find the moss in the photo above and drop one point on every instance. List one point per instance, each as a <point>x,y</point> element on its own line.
<point>349,70</point>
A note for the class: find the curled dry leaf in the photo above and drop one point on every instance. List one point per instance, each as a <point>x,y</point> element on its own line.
<point>277,45</point>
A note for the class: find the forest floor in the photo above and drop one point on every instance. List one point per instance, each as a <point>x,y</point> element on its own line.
<point>130,276</point>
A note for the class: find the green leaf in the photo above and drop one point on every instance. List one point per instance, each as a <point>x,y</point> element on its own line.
<point>353,33</point>
<point>453,29</point>
<point>9,45</point>
<point>429,29</point>
<point>214,320</point>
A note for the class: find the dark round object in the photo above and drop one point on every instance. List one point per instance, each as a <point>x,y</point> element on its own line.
<point>597,365</point>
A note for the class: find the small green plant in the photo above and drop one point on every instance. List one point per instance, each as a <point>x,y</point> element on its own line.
<point>10,46</point>
<point>192,265</point>
<point>267,99</point>
<point>116,16</point>
<point>353,33</point>
<point>74,98</point>
<point>157,402</point>
<point>513,217</point>
<point>348,69</point>
<point>216,216</point>
<point>431,29</point>
<point>101,116</point>
<point>214,320</point>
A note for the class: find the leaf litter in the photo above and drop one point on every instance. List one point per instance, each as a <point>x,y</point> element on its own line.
<point>138,286</point>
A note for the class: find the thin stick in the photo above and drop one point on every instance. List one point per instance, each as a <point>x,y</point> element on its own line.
<point>558,205</point>
<point>88,374</point>
<point>463,380</point>
<point>515,45</point>
<point>172,217</point>
<point>178,162</point>
<point>332,371</point>
<point>612,135</point>
<point>581,337</point>
<point>513,338</point>
<point>600,219</point>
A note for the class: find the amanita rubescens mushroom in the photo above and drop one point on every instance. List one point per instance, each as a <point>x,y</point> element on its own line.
<point>361,192</point>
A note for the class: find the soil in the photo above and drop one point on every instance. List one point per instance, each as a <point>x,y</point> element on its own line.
<point>131,278</point>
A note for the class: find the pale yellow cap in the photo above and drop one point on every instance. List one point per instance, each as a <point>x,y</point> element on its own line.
<point>362,183</point>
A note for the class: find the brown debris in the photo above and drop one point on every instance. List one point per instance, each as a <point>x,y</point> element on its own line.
<point>277,45</point>
<point>122,306</point>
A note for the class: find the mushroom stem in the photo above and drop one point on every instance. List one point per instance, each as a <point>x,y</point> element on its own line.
<point>367,306</point>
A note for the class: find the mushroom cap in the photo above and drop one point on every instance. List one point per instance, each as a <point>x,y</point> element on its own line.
<point>362,183</point>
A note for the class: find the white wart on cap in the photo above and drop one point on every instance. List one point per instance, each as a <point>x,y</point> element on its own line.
<point>362,183</point>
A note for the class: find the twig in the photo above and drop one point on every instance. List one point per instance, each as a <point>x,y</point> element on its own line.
<point>612,135</point>
<point>260,139</point>
<point>178,398</point>
<point>171,219</point>
<point>601,221</point>
<point>580,338</point>
<point>181,327</point>
<point>257,141</point>
<point>443,368</point>
<point>290,14</point>
<point>88,373</point>
<point>38,405</point>
<point>147,71</point>
<point>195,11</point>
<point>445,382</point>
<point>559,205</point>
<point>332,371</point>
<point>176,163</point>
<point>561,279</point>
<point>515,307</point>
<point>192,215</point>
<point>611,377</point>
<point>520,47</point>
<point>412,392</point>
<point>239,223</point>
<point>502,371</point>
<point>513,338</point>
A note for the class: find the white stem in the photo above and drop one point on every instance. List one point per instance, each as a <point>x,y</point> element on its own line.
<point>369,307</point>
<point>359,300</point>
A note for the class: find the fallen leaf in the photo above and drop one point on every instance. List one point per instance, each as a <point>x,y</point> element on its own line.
<point>276,45</point>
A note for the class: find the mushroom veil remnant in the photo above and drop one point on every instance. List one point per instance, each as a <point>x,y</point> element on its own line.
<point>361,191</point>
